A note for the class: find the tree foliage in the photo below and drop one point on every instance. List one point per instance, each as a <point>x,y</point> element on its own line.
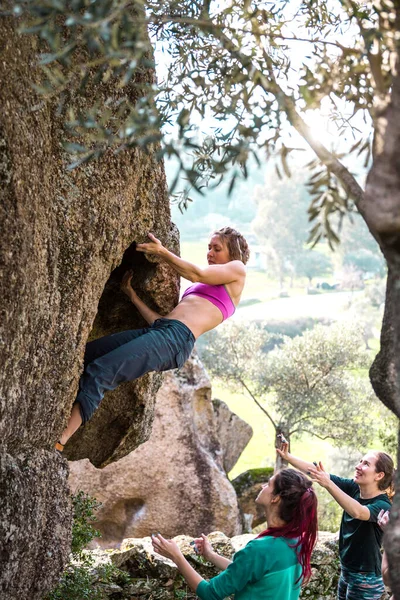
<point>282,230</point>
<point>313,383</point>
<point>80,580</point>
<point>366,262</point>
<point>312,263</point>
<point>233,67</point>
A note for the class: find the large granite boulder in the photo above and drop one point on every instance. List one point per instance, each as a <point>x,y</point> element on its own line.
<point>232,432</point>
<point>174,483</point>
<point>66,237</point>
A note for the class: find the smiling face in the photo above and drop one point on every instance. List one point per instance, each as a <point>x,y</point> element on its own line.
<point>365,471</point>
<point>218,253</point>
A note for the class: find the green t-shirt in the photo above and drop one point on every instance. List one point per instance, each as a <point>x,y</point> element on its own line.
<point>360,541</point>
<point>266,568</point>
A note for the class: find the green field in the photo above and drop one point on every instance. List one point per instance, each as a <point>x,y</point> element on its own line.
<point>260,451</point>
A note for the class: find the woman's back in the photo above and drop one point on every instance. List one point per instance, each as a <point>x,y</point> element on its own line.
<point>267,568</point>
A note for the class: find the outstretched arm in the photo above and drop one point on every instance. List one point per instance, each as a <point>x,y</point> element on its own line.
<point>383,519</point>
<point>147,313</point>
<point>349,504</point>
<point>213,274</point>
<point>297,463</point>
<point>318,474</point>
<point>204,548</point>
<point>169,549</point>
<point>249,565</point>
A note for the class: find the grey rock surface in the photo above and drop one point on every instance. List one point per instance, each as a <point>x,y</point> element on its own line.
<point>232,432</point>
<point>66,238</point>
<point>175,482</point>
<point>35,522</point>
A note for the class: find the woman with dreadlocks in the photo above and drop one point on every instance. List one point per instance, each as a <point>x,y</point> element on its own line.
<point>275,563</point>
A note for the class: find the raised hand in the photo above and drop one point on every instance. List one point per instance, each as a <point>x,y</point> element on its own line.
<point>154,247</point>
<point>167,548</point>
<point>283,451</point>
<point>126,286</point>
<point>383,519</point>
<point>203,546</point>
<point>319,475</point>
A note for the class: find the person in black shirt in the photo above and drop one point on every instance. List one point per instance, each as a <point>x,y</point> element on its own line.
<point>360,537</point>
<point>383,520</point>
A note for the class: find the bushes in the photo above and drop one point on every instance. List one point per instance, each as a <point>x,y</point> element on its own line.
<point>83,531</point>
<point>78,582</point>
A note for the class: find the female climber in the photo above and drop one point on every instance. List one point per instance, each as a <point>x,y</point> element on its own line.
<point>168,341</point>
<point>274,564</point>
<point>360,537</point>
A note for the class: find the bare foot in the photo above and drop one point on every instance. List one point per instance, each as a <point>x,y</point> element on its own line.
<point>75,421</point>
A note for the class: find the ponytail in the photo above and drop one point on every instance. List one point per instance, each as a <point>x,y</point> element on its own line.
<point>384,464</point>
<point>298,508</point>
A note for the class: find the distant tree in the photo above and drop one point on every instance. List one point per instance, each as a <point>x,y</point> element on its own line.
<point>388,432</point>
<point>311,263</point>
<point>351,278</point>
<point>376,293</point>
<point>310,384</point>
<point>355,235</point>
<point>366,262</point>
<point>282,230</point>
<point>367,311</point>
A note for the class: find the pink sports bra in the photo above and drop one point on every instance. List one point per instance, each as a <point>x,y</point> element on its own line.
<point>216,294</point>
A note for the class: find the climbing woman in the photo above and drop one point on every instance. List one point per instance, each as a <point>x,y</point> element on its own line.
<point>169,339</point>
<point>360,537</point>
<point>274,564</point>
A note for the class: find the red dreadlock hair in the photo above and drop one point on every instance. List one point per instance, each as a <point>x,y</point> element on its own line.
<point>298,508</point>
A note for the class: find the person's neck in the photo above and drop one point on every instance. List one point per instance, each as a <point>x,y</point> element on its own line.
<point>369,491</point>
<point>275,521</point>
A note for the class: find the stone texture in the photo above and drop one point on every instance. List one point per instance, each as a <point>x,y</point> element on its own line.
<point>232,432</point>
<point>156,577</point>
<point>175,482</point>
<point>247,486</point>
<point>66,237</point>
<point>34,525</point>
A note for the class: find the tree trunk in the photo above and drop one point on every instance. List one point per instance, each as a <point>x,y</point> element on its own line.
<point>63,236</point>
<point>280,463</point>
<point>381,210</point>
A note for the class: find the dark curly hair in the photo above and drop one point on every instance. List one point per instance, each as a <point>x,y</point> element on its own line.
<point>237,246</point>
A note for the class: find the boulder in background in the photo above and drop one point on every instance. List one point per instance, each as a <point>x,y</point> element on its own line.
<point>175,482</point>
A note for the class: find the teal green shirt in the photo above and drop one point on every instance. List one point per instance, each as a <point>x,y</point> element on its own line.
<point>267,568</point>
